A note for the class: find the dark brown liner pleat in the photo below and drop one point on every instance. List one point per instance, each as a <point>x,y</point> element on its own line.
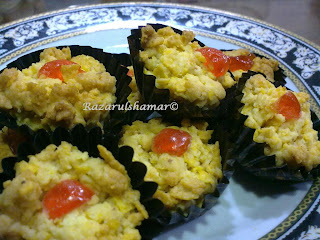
<point>87,140</point>
<point>243,152</point>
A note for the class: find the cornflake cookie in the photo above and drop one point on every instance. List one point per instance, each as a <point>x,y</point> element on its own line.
<point>42,201</point>
<point>282,120</point>
<point>54,90</point>
<point>172,58</point>
<point>184,173</point>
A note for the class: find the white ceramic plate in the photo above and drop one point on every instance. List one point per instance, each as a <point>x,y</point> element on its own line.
<point>248,209</point>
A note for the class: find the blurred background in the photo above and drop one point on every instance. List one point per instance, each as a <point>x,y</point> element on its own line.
<point>301,17</point>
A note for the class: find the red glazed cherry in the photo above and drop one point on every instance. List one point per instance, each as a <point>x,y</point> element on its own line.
<point>241,62</point>
<point>289,106</point>
<point>217,62</point>
<point>65,197</point>
<point>53,69</point>
<point>171,141</point>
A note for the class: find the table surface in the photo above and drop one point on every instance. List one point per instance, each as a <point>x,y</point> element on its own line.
<point>299,17</point>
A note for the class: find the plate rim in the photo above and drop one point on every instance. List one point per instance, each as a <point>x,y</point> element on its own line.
<point>197,7</point>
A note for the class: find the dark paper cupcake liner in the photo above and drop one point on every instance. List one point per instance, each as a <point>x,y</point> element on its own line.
<point>243,152</point>
<point>252,159</point>
<point>88,141</point>
<point>114,64</point>
<point>168,219</point>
